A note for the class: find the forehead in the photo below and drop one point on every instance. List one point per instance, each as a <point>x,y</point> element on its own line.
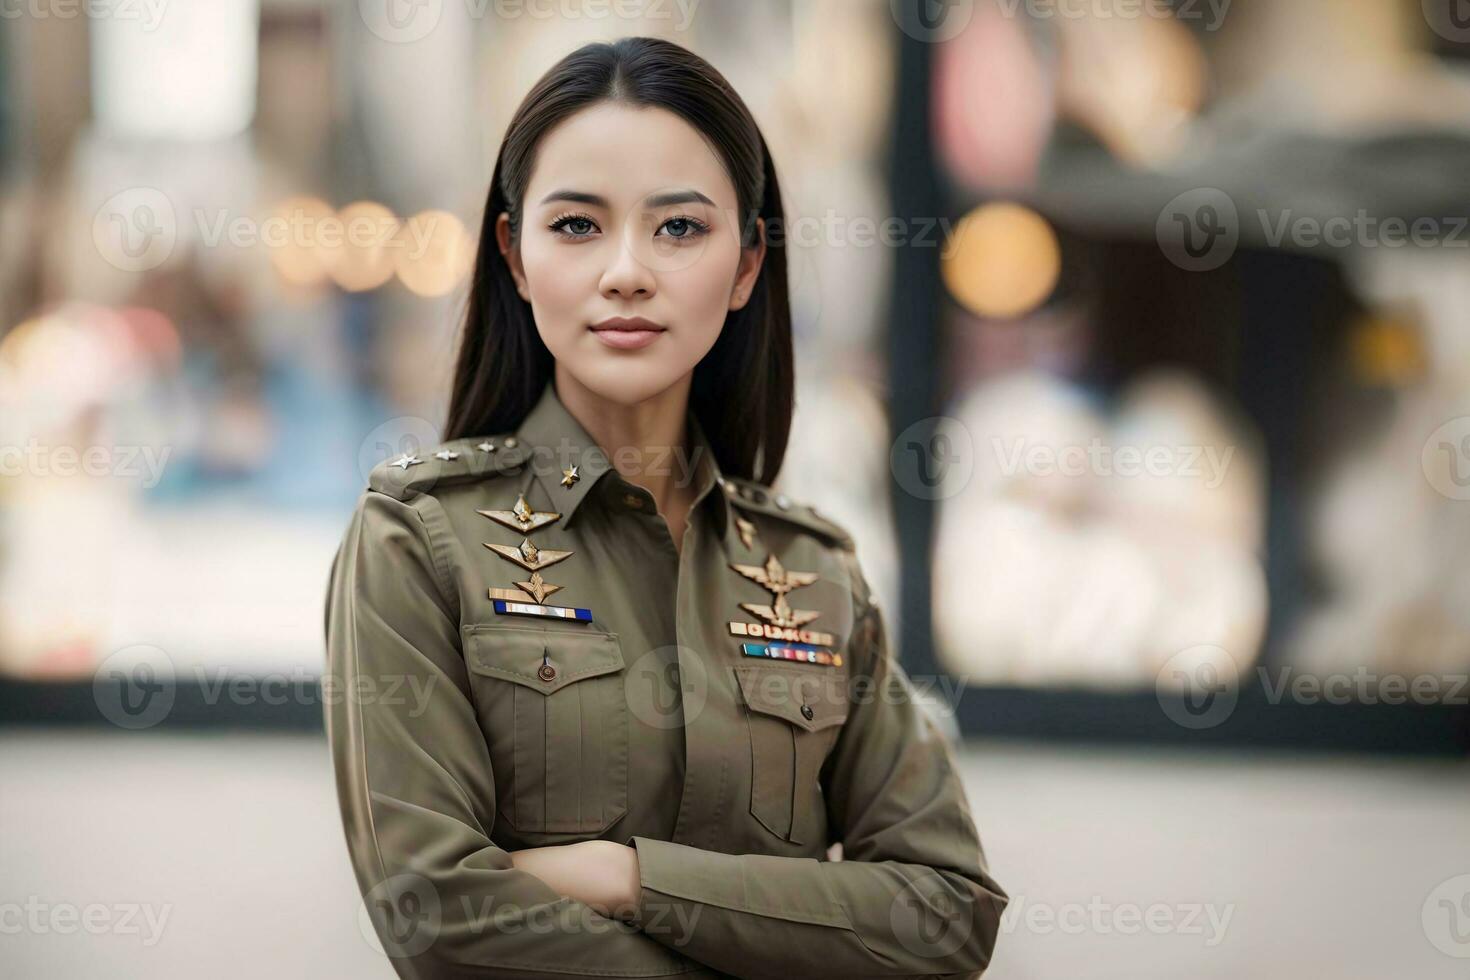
<point>625,153</point>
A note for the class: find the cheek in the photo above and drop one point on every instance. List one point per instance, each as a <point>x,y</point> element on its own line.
<point>701,293</point>
<point>557,291</point>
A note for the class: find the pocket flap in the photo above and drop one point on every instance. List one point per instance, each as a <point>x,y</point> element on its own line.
<point>516,653</point>
<point>791,693</point>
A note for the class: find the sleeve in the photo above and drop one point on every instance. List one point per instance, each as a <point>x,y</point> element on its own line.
<point>912,896</point>
<point>415,785</point>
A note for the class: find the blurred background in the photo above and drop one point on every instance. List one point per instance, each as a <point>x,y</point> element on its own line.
<point>1136,333</point>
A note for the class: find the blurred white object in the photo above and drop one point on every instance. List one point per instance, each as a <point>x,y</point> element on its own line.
<point>185,70</point>
<point>1089,553</point>
<point>1389,530</point>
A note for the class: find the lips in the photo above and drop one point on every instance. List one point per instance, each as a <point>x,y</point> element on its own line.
<point>627,333</point>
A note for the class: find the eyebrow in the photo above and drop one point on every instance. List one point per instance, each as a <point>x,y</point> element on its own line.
<point>656,201</point>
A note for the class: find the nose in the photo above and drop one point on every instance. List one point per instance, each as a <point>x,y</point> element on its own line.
<point>627,275</point>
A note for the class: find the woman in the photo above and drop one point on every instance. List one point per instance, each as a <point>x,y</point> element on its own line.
<point>601,700</point>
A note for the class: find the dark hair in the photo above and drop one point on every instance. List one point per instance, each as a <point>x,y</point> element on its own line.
<point>742,392</point>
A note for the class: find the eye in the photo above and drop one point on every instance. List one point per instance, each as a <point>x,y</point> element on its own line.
<point>684,226</point>
<point>573,226</point>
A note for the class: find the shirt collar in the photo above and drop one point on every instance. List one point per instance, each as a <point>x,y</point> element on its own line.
<point>556,441</point>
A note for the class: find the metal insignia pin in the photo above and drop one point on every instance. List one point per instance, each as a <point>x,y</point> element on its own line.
<point>778,580</point>
<point>747,531</point>
<point>528,556</point>
<point>569,476</point>
<point>538,588</point>
<point>405,461</point>
<point>521,517</point>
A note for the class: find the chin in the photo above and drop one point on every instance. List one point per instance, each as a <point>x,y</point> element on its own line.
<point>624,380</point>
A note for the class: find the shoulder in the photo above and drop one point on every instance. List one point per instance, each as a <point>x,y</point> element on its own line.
<point>752,497</point>
<point>435,468</point>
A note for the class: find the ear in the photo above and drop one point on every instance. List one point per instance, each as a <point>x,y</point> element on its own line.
<point>749,268</point>
<point>512,255</point>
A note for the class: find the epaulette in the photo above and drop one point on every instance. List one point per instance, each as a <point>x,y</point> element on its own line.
<point>457,461</point>
<point>759,498</point>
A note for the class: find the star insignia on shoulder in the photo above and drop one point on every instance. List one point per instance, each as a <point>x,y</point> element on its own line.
<point>405,461</point>
<point>446,455</point>
<point>570,476</point>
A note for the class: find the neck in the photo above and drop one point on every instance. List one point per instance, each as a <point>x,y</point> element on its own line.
<point>646,441</point>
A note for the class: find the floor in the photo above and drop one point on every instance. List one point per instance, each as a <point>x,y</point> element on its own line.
<point>154,855</point>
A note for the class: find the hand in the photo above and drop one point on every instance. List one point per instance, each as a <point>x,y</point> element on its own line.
<point>601,874</point>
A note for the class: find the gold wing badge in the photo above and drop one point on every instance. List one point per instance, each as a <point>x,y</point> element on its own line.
<point>524,519</point>
<point>780,621</point>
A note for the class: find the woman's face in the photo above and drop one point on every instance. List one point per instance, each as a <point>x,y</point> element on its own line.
<point>629,214</point>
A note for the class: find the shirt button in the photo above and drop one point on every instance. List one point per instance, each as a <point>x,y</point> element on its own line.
<point>509,442</point>
<point>546,672</point>
<point>783,501</point>
<point>807,712</point>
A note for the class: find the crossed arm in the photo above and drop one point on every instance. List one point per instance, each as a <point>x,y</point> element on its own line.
<point>912,897</point>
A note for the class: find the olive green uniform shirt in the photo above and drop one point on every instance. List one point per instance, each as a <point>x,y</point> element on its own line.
<point>460,733</point>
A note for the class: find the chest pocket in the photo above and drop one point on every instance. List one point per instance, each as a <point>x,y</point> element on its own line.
<point>555,716</point>
<point>795,715</point>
